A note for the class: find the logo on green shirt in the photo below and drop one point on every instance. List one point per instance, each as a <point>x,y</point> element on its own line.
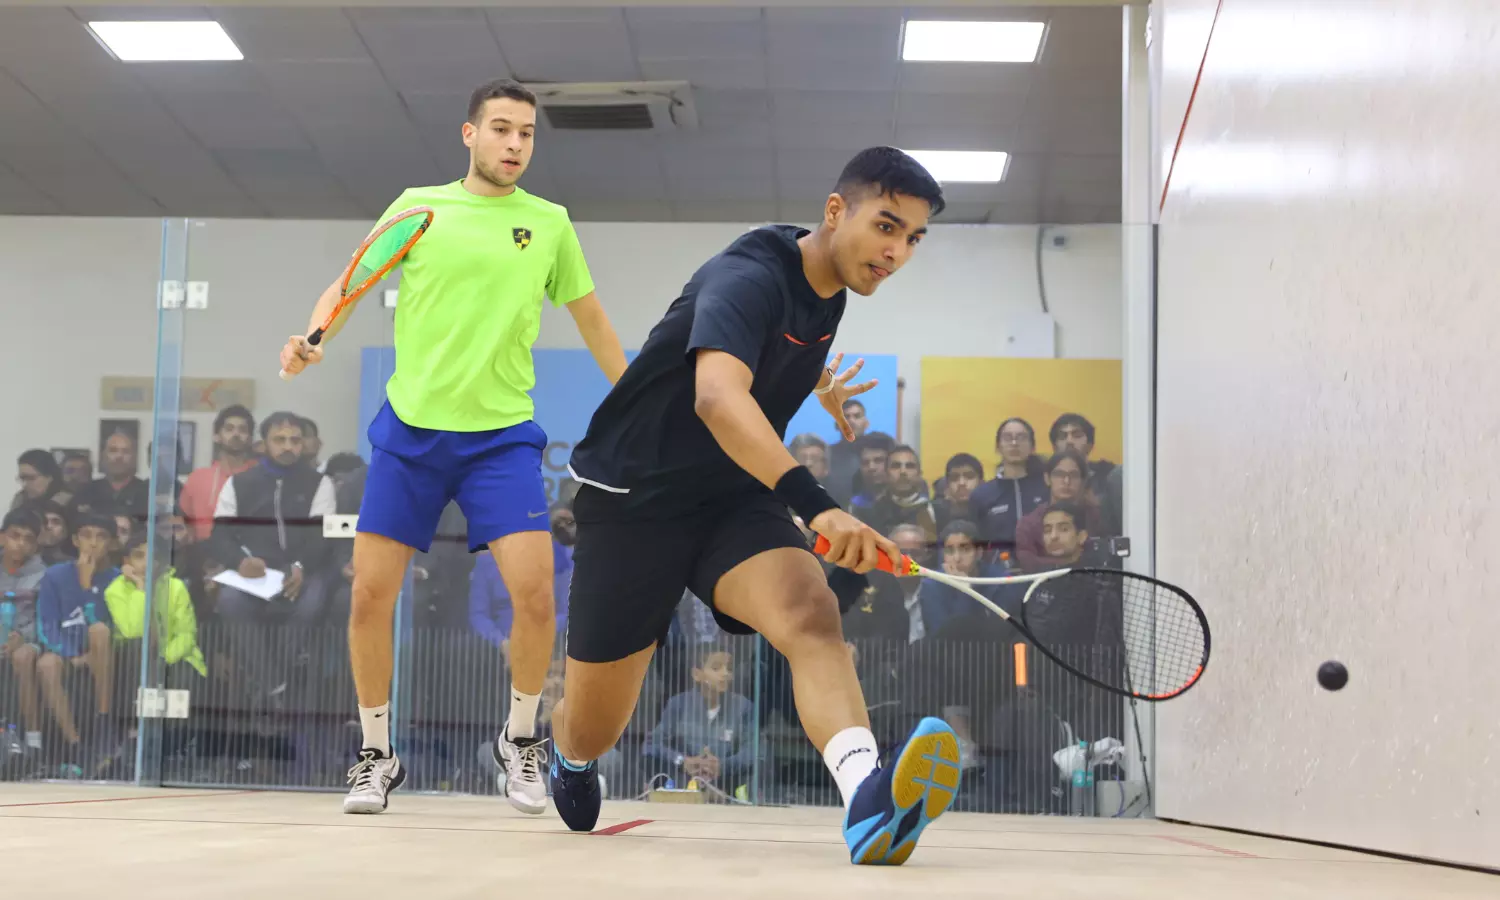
<point>522,237</point>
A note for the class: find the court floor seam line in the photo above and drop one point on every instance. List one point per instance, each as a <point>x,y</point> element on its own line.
<point>186,796</point>
<point>1202,846</point>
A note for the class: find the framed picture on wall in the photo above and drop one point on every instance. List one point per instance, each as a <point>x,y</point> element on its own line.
<point>131,428</point>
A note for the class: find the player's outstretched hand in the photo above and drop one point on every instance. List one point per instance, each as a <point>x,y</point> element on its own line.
<point>298,354</point>
<point>842,390</point>
<point>853,544</point>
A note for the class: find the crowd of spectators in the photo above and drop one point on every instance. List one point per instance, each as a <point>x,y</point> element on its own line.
<point>267,680</point>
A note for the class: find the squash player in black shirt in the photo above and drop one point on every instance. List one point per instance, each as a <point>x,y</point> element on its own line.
<point>686,484</point>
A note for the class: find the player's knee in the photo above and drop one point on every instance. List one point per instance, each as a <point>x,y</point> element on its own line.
<point>99,634</point>
<point>811,617</point>
<point>533,604</point>
<point>587,741</point>
<point>371,604</point>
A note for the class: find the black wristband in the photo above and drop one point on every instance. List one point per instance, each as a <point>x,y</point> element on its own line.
<point>799,490</point>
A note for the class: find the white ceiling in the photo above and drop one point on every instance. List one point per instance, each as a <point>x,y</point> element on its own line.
<point>335,110</point>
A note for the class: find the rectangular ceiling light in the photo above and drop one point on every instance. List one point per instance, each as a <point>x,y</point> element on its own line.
<point>927,41</point>
<point>162,41</point>
<point>973,166</point>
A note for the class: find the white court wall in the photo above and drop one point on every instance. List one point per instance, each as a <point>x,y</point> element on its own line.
<point>78,297</point>
<point>1328,312</point>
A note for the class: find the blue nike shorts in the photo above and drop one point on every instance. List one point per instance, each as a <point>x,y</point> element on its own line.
<point>496,477</point>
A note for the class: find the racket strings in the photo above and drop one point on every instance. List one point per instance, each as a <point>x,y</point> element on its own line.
<point>1147,639</point>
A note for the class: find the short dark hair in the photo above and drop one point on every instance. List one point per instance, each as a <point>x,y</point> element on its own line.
<point>282,417</point>
<point>495,90</point>
<point>876,440</point>
<point>233,412</point>
<point>22,517</point>
<point>309,427</point>
<point>805,440</point>
<point>959,526</point>
<point>1056,459</point>
<point>101,520</point>
<point>962,460</point>
<point>888,172</point>
<point>709,648</point>
<point>852,401</point>
<point>46,507</point>
<point>1066,419</point>
<point>905,448</point>
<point>339,463</point>
<point>1069,509</point>
<point>42,461</point>
<point>137,539</point>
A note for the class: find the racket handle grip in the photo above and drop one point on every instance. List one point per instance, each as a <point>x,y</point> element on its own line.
<point>822,546</point>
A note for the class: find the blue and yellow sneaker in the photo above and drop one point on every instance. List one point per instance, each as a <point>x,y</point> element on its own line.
<point>575,792</point>
<point>895,803</point>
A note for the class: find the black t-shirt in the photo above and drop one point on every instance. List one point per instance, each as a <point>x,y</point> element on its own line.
<point>645,442</point>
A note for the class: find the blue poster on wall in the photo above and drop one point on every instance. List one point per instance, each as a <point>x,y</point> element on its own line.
<point>569,387</point>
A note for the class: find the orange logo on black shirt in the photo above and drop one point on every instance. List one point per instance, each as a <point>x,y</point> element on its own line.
<point>522,237</point>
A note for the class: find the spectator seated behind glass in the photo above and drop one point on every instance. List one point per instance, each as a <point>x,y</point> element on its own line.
<point>843,457</point>
<point>119,489</point>
<point>72,628</point>
<point>1065,480</point>
<point>904,500</point>
<point>709,733</point>
<point>55,543</point>
<point>40,478</point>
<point>874,448</point>
<point>1016,489</point>
<point>270,516</point>
<point>961,476</point>
<point>21,571</point>
<point>1073,432</point>
<point>944,607</point>
<point>886,611</point>
<point>811,451</point>
<point>177,625</point>
<point>490,610</point>
<point>234,431</point>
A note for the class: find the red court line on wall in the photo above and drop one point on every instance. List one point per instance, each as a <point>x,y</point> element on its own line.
<point>1202,846</point>
<point>1188,113</point>
<point>128,799</point>
<point>623,826</point>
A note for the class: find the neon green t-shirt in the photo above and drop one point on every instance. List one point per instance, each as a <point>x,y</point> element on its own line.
<point>470,305</point>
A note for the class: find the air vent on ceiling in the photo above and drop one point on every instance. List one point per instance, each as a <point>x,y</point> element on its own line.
<point>641,106</point>
<point>597,117</point>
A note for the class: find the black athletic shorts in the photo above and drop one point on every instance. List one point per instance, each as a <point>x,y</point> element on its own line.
<point>629,569</point>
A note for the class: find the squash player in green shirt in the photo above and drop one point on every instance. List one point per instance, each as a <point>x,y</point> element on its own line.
<point>458,424</point>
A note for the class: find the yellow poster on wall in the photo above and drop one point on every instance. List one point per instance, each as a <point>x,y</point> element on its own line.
<point>964,400</point>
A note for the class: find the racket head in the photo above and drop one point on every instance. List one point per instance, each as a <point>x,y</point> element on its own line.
<point>1131,634</point>
<point>383,249</point>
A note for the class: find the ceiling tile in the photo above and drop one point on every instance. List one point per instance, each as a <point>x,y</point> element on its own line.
<point>647,17</point>
<point>588,48</point>
<point>18,197</point>
<point>333,90</point>
<point>310,34</point>
<point>968,78</point>
<point>813,72</point>
<point>726,74</point>
<point>732,186</point>
<point>700,40</point>
<point>707,159</point>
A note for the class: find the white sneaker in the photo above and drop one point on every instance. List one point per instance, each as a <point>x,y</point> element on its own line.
<point>371,781</point>
<point>522,762</point>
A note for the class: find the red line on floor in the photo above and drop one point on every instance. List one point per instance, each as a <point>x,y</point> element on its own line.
<point>1202,846</point>
<point>1188,113</point>
<point>623,826</point>
<point>128,799</point>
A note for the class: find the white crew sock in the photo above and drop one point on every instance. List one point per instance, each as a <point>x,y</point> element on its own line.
<point>522,723</point>
<point>851,755</point>
<point>376,724</point>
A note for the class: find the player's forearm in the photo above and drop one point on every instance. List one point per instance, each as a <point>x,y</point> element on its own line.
<point>746,436</point>
<point>599,336</point>
<point>325,305</point>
